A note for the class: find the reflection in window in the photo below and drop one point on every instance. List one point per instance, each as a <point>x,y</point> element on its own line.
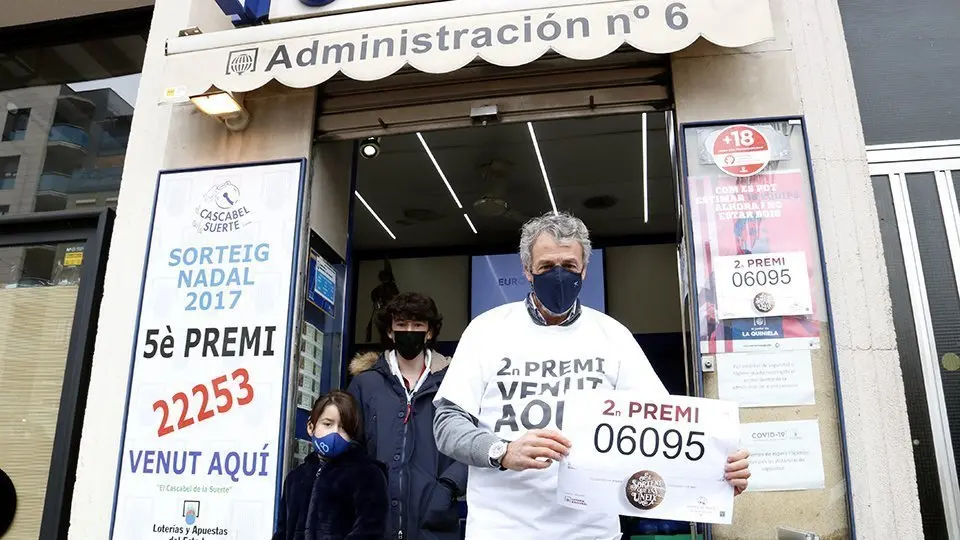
<point>8,171</point>
<point>69,106</point>
<point>15,128</point>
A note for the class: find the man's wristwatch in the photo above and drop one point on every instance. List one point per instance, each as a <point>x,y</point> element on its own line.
<point>496,453</point>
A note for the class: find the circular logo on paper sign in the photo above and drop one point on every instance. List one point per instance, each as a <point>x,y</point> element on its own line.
<point>764,302</point>
<point>740,150</point>
<point>645,490</point>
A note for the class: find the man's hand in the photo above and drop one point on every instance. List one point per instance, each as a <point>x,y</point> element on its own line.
<point>547,444</point>
<point>737,470</point>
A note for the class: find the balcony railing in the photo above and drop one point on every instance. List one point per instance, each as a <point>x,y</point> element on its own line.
<point>82,181</point>
<point>70,134</point>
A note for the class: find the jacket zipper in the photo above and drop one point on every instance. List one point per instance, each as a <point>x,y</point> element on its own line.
<point>403,458</point>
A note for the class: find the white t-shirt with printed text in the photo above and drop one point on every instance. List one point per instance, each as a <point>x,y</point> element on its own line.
<point>512,375</point>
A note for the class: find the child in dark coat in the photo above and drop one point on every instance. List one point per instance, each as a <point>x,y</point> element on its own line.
<point>339,493</point>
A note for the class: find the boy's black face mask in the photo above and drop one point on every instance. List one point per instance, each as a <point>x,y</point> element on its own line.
<point>410,344</point>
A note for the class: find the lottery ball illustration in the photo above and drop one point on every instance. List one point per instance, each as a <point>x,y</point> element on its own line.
<point>764,302</point>
<point>645,490</point>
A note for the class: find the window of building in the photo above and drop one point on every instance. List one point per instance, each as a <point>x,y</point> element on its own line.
<point>15,127</point>
<point>8,171</point>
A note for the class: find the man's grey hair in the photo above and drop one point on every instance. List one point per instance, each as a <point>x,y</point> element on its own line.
<point>563,227</point>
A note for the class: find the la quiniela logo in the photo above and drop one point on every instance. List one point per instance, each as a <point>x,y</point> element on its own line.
<point>242,61</point>
<point>221,210</point>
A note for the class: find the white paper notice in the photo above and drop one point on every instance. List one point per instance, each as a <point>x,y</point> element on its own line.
<point>784,456</point>
<point>660,459</point>
<point>769,285</point>
<point>777,379</point>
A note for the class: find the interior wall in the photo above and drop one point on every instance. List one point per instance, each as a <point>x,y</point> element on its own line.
<point>806,70</point>
<point>643,289</point>
<point>445,279</point>
<point>330,193</point>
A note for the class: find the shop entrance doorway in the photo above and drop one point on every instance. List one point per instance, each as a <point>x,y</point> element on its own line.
<point>439,213</point>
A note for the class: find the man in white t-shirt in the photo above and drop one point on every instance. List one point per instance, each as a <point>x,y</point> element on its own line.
<point>500,407</point>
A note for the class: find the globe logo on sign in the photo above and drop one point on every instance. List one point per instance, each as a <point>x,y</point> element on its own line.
<point>242,61</point>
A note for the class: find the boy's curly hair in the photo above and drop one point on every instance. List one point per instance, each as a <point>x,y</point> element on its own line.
<point>409,306</point>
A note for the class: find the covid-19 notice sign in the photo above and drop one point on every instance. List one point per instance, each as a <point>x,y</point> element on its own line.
<point>205,418</point>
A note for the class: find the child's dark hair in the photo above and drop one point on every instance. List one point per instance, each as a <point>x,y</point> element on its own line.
<point>350,417</point>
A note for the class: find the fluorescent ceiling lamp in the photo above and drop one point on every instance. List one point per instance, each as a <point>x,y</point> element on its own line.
<point>470,223</point>
<point>543,168</point>
<point>374,214</point>
<point>439,170</point>
<point>646,206</point>
<point>217,103</point>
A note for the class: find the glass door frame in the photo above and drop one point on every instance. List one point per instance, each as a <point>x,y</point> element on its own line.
<point>895,162</point>
<point>93,228</point>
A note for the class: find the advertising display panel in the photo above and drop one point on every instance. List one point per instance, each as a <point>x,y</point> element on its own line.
<point>206,408</point>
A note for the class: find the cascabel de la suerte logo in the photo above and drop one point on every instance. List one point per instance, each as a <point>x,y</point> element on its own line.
<point>242,61</point>
<point>221,210</point>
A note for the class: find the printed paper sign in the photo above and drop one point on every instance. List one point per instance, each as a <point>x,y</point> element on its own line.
<point>784,455</point>
<point>201,447</point>
<point>762,285</point>
<point>660,459</point>
<point>766,379</point>
<point>740,150</point>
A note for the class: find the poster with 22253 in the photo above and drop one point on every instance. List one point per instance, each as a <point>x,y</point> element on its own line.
<point>204,417</point>
<point>661,459</point>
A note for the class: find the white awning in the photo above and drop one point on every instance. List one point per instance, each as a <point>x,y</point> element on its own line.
<point>444,36</point>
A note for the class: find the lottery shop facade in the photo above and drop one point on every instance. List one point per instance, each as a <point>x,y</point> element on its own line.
<point>328,74</point>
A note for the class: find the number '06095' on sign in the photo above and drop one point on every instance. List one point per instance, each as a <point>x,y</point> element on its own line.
<point>657,457</point>
<point>762,285</point>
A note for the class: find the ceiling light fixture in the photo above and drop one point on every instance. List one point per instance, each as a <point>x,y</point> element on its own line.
<point>374,214</point>
<point>470,223</point>
<point>543,168</point>
<point>370,147</point>
<point>439,170</point>
<point>224,106</point>
<point>646,205</point>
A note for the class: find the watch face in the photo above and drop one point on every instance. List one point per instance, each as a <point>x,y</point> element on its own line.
<point>497,450</point>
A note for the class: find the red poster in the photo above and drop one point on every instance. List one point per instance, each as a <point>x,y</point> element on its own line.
<point>762,214</point>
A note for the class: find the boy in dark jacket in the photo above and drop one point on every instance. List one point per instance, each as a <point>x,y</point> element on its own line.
<point>338,493</point>
<point>396,390</point>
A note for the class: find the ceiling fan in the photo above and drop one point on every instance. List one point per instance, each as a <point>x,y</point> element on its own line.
<point>493,203</point>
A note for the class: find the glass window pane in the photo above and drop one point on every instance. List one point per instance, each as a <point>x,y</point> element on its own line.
<point>36,317</point>
<point>762,318</point>
<point>66,111</point>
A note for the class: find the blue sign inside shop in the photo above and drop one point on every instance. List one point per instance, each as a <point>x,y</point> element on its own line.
<point>245,12</point>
